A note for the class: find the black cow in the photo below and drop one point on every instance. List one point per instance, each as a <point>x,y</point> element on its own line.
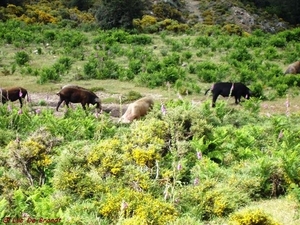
<point>227,89</point>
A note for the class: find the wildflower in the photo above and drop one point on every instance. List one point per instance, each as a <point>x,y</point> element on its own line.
<point>17,139</point>
<point>38,111</point>
<point>163,109</point>
<point>9,108</point>
<point>287,104</point>
<point>280,135</point>
<point>196,181</point>
<point>179,167</point>
<point>96,114</point>
<point>20,111</point>
<point>166,194</point>
<point>199,155</point>
<point>124,205</point>
<point>24,214</point>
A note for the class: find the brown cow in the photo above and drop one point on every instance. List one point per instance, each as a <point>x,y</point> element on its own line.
<point>74,86</point>
<point>13,94</point>
<point>293,68</point>
<point>137,109</point>
<point>78,95</point>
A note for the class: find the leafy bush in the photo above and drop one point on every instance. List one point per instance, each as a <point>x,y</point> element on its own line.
<point>210,72</point>
<point>22,58</point>
<point>132,96</point>
<point>240,54</point>
<point>49,74</point>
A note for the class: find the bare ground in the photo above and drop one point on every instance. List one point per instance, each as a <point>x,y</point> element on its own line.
<point>267,108</point>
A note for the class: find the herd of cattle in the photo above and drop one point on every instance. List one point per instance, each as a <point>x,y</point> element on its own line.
<point>139,108</point>
<point>77,94</point>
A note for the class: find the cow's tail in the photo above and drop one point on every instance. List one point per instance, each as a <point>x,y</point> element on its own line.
<point>210,89</point>
<point>207,91</point>
<point>28,98</point>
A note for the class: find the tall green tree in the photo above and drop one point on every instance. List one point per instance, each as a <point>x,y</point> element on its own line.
<point>119,13</point>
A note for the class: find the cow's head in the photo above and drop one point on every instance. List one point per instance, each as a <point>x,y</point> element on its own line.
<point>248,94</point>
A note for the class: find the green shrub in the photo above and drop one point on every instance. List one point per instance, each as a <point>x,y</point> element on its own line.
<point>135,66</point>
<point>202,41</point>
<point>271,53</point>
<point>281,89</point>
<point>211,72</point>
<point>140,39</point>
<point>131,96</point>
<point>240,54</point>
<point>90,69</point>
<point>108,70</point>
<point>276,41</point>
<point>253,41</point>
<point>50,35</point>
<point>22,58</point>
<point>48,74</point>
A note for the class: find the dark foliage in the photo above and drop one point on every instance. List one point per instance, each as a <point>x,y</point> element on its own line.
<point>14,2</point>
<point>119,13</point>
<point>82,5</point>
<point>286,9</point>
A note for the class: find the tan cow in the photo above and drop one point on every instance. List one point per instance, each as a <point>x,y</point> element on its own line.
<point>137,109</point>
<point>293,68</point>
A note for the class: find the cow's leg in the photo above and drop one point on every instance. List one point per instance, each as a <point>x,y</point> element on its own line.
<point>215,96</point>
<point>67,103</point>
<point>83,105</point>
<point>58,104</point>
<point>237,99</point>
<point>21,103</point>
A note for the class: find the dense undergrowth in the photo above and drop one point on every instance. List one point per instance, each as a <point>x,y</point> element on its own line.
<point>192,163</point>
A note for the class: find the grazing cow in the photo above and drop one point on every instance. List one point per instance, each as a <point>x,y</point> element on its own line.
<point>74,86</point>
<point>293,68</point>
<point>137,109</point>
<point>13,94</point>
<point>227,89</point>
<point>78,95</point>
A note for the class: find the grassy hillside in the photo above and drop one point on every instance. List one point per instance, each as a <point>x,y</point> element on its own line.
<point>191,164</point>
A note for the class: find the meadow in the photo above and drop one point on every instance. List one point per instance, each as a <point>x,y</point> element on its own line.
<point>191,164</point>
